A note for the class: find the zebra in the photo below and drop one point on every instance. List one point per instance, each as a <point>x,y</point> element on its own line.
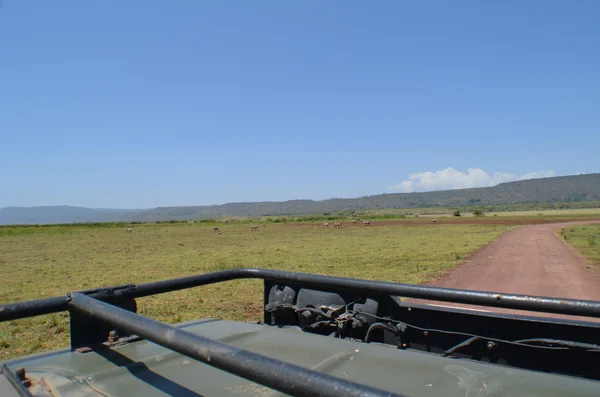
<point>325,224</point>
<point>128,230</point>
<point>216,229</point>
<point>367,223</point>
<point>254,228</point>
<point>338,225</point>
<point>433,221</point>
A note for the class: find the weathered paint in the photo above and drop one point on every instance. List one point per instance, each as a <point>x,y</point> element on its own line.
<point>145,369</point>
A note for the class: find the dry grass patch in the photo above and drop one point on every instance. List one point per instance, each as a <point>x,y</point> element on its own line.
<point>50,261</point>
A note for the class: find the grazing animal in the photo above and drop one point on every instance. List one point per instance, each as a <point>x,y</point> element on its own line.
<point>433,221</point>
<point>338,225</point>
<point>367,223</point>
<point>325,224</point>
<point>216,229</point>
<point>254,228</point>
<point>129,230</point>
<point>355,221</point>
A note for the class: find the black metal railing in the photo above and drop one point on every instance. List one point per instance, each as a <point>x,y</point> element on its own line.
<point>482,298</point>
<point>102,305</point>
<point>278,375</point>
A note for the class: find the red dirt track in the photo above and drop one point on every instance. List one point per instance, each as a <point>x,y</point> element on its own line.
<point>530,260</point>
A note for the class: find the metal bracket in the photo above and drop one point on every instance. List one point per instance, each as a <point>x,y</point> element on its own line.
<point>88,333</point>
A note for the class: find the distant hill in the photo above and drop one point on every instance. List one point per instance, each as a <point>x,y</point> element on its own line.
<point>576,188</point>
<point>59,214</point>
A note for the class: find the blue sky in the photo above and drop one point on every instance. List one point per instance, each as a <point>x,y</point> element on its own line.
<point>149,103</point>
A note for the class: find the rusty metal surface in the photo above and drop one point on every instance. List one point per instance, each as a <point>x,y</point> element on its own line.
<point>143,368</point>
<point>264,370</point>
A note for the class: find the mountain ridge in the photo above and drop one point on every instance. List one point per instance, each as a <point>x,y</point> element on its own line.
<point>572,188</point>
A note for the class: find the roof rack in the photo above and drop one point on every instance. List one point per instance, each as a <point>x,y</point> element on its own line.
<point>586,308</point>
<point>279,375</point>
<point>115,307</point>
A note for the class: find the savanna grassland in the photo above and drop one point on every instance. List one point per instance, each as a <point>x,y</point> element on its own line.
<point>585,239</point>
<point>39,262</point>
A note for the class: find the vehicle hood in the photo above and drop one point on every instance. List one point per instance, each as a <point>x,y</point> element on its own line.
<point>143,368</point>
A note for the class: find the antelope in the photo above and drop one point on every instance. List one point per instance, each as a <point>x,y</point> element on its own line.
<point>367,223</point>
<point>254,228</point>
<point>355,221</point>
<point>216,229</point>
<point>433,221</point>
<point>129,230</point>
<point>338,225</point>
<point>325,224</point>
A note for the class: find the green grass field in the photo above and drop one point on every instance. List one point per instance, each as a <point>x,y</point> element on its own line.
<point>586,239</point>
<point>51,261</point>
<point>567,213</point>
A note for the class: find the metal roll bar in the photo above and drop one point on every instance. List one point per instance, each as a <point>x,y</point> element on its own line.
<point>482,298</point>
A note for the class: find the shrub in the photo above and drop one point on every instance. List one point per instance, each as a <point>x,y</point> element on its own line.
<point>477,213</point>
<point>457,213</point>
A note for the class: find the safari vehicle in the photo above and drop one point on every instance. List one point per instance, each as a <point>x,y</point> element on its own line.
<point>320,336</point>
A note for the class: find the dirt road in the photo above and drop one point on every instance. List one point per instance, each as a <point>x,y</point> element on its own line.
<point>531,260</point>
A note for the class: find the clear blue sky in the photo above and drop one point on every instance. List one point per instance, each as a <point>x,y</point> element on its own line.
<point>139,104</point>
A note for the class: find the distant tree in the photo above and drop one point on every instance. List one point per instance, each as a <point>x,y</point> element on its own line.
<point>478,213</point>
<point>457,213</point>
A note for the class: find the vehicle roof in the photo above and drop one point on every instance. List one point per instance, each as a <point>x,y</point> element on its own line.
<point>143,368</point>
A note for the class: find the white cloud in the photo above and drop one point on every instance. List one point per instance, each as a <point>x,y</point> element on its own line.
<point>453,179</point>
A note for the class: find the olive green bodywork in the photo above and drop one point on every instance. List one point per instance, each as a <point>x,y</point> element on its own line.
<point>142,368</point>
